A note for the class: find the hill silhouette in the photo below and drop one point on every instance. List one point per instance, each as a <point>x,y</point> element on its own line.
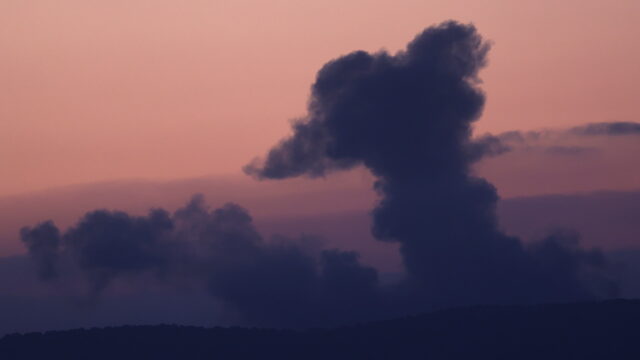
<point>593,330</point>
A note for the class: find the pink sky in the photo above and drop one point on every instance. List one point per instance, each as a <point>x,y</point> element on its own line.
<point>102,90</point>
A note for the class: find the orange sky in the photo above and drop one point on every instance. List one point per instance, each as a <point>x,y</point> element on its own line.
<point>100,90</point>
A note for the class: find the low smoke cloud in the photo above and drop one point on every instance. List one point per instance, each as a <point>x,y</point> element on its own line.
<point>282,282</point>
<point>43,243</point>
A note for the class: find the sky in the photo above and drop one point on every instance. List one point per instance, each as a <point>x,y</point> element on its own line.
<point>98,91</point>
<point>238,163</point>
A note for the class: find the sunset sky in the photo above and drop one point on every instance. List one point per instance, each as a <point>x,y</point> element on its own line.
<point>147,156</point>
<point>110,90</point>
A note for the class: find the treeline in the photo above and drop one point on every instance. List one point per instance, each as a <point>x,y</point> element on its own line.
<point>605,330</point>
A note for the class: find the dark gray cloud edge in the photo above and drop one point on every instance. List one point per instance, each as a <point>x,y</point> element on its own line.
<point>607,128</point>
<point>407,118</point>
<point>507,141</point>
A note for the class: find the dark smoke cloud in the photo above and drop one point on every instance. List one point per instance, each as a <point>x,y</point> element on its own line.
<point>610,128</point>
<point>43,243</point>
<point>488,146</point>
<point>109,244</point>
<point>530,140</point>
<point>407,118</point>
<point>283,282</point>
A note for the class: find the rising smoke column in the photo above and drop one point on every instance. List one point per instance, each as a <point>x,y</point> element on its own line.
<point>408,118</point>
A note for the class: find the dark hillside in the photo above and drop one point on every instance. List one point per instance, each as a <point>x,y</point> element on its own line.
<point>606,330</point>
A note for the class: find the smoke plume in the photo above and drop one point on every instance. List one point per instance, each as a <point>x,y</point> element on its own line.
<point>408,118</point>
